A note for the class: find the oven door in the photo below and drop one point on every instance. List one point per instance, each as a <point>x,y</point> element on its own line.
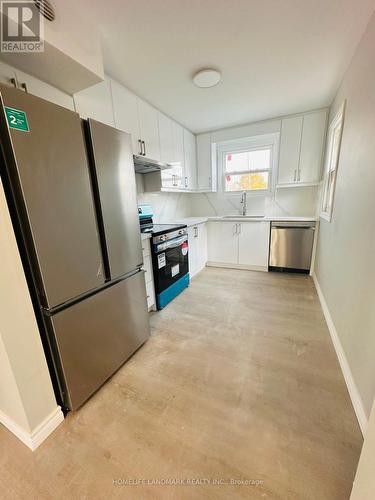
<point>170,262</point>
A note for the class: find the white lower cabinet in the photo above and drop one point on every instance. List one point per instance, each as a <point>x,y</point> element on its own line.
<point>253,243</point>
<point>222,242</point>
<point>197,248</point>
<point>239,244</point>
<point>149,277</point>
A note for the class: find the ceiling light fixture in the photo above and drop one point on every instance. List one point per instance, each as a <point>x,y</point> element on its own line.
<point>206,78</point>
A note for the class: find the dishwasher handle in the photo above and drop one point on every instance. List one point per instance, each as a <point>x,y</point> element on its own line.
<point>293,225</point>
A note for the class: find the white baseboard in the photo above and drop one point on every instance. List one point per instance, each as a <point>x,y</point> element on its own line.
<point>42,431</point>
<point>345,368</point>
<point>237,266</point>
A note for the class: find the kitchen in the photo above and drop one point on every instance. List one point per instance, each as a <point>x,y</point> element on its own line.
<point>181,228</point>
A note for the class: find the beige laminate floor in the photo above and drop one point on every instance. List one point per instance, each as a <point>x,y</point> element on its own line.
<point>239,381</point>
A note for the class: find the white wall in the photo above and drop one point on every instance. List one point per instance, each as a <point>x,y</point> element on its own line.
<point>26,394</point>
<point>346,246</point>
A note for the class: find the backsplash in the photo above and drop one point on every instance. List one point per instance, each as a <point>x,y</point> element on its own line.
<point>301,201</point>
<point>164,205</point>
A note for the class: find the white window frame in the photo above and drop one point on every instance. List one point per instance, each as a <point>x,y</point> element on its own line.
<point>247,144</point>
<point>331,163</point>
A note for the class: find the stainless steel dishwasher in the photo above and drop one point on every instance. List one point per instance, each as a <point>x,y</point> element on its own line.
<point>291,246</point>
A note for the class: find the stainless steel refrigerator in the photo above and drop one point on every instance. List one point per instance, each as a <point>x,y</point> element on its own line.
<point>70,186</point>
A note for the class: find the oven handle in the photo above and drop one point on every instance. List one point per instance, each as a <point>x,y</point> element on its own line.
<point>176,242</point>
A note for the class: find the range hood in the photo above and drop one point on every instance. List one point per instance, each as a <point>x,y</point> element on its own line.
<point>144,165</point>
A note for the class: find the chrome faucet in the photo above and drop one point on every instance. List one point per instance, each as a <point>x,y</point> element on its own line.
<point>243,203</point>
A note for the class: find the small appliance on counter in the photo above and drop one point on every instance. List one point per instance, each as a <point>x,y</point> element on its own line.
<point>170,259</point>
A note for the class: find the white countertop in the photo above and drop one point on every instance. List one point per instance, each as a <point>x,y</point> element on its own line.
<point>193,221</point>
<point>189,221</point>
<point>278,218</point>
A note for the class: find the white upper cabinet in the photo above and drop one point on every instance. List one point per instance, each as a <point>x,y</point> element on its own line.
<point>125,109</point>
<point>166,138</point>
<point>32,85</point>
<point>190,161</point>
<point>290,146</point>
<point>312,145</point>
<point>149,128</point>
<point>206,163</point>
<point>301,149</point>
<point>178,143</point>
<point>36,87</point>
<point>96,102</point>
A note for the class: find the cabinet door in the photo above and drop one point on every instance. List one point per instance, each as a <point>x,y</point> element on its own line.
<point>193,250</point>
<point>125,109</point>
<point>166,138</point>
<point>313,135</point>
<point>149,127</point>
<point>290,146</point>
<point>223,242</point>
<point>178,143</point>
<point>254,243</point>
<point>7,75</point>
<point>202,246</point>
<point>41,89</point>
<point>204,162</point>
<point>190,160</point>
<point>96,102</point>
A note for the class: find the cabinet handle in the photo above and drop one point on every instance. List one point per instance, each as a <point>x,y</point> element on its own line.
<point>239,228</point>
<point>195,232</point>
<point>24,87</point>
<point>144,148</point>
<point>295,175</point>
<point>140,146</point>
<point>235,229</point>
<point>186,182</point>
<point>13,81</point>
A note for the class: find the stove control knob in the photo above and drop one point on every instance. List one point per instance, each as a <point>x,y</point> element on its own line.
<point>180,232</point>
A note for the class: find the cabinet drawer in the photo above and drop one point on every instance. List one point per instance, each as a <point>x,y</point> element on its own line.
<point>145,248</point>
<point>147,269</point>
<point>150,294</point>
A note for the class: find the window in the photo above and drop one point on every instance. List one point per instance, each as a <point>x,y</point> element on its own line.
<point>247,164</point>
<point>331,163</point>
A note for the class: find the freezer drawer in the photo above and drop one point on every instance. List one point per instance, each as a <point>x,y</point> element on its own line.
<point>96,336</point>
<point>291,246</point>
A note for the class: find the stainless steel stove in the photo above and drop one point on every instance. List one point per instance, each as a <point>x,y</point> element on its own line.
<point>170,259</point>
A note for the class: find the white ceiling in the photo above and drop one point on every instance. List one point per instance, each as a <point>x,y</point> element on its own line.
<point>276,56</point>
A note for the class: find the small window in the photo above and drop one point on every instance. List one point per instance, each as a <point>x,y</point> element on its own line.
<point>247,170</point>
<point>331,163</point>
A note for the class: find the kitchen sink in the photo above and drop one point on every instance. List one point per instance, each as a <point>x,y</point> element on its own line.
<point>243,217</point>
